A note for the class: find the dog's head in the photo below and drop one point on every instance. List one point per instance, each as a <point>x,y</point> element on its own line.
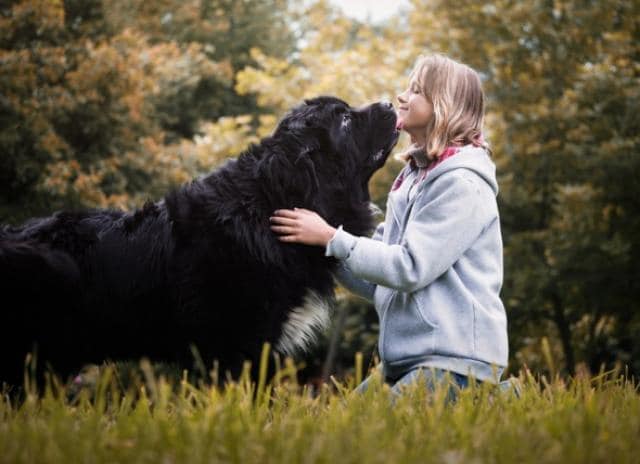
<point>341,145</point>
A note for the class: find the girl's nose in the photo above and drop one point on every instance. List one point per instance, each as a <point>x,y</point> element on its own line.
<point>401,98</point>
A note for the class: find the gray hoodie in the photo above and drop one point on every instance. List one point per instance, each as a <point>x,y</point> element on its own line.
<point>434,270</point>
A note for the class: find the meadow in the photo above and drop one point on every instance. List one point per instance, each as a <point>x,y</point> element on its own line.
<point>158,420</point>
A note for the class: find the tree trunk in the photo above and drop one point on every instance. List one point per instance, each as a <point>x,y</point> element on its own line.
<point>332,350</point>
<point>562,323</point>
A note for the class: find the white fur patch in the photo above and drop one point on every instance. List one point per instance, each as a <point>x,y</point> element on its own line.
<point>304,324</point>
<point>375,209</point>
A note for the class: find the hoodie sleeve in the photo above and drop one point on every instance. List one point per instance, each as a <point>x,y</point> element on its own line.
<point>350,281</point>
<point>450,218</point>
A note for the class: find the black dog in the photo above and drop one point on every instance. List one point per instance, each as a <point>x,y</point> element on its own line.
<point>201,267</point>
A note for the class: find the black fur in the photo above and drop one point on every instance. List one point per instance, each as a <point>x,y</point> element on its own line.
<point>200,266</point>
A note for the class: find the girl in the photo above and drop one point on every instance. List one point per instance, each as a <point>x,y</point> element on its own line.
<point>434,267</point>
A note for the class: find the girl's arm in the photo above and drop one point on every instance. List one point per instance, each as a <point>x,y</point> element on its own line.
<point>352,282</point>
<point>304,226</point>
<point>442,229</point>
<point>445,225</point>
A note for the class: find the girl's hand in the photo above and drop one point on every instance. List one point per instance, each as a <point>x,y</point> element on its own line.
<point>300,225</point>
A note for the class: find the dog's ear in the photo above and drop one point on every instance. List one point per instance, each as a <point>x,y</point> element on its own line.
<point>289,179</point>
<point>305,165</point>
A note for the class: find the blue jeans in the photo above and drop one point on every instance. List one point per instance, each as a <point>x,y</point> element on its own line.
<point>431,376</point>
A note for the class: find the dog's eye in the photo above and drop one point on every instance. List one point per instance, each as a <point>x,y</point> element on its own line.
<point>346,121</point>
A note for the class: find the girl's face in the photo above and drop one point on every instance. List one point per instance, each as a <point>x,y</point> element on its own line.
<point>415,111</point>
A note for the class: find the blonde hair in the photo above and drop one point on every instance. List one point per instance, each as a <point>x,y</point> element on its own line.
<point>455,91</point>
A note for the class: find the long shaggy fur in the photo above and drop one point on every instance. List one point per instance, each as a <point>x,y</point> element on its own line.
<point>201,266</point>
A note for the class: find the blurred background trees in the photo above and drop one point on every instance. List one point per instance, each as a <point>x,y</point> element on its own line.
<point>110,103</point>
<point>101,101</point>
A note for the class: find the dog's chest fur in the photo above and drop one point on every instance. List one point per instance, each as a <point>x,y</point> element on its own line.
<point>305,323</point>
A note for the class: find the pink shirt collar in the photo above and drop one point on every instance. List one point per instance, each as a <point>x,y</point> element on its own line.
<point>420,161</point>
<point>447,153</point>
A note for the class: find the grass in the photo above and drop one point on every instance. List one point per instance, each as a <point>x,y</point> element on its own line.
<point>158,421</point>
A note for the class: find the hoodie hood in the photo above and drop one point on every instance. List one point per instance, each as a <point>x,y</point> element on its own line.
<point>469,157</point>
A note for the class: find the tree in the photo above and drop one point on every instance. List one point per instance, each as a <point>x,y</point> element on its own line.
<point>226,31</point>
<point>78,116</point>
<point>101,100</point>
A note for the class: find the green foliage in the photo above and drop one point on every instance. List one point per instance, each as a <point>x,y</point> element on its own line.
<point>97,101</point>
<point>226,31</point>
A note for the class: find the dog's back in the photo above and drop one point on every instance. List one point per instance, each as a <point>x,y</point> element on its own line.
<point>75,283</point>
<point>39,288</point>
